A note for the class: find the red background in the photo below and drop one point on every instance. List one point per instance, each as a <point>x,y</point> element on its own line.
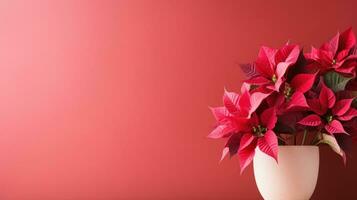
<point>109,99</point>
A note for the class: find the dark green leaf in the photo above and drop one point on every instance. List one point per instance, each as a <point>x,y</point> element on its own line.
<point>332,142</point>
<point>354,103</point>
<point>336,81</point>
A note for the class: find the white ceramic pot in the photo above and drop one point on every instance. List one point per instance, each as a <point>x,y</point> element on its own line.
<point>293,178</point>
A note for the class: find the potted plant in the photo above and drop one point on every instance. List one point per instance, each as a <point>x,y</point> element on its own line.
<point>290,103</point>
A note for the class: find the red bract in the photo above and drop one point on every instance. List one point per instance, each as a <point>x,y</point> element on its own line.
<point>237,108</point>
<point>329,112</point>
<point>228,116</point>
<point>258,132</point>
<point>232,117</point>
<point>272,65</point>
<point>338,54</point>
<point>292,98</point>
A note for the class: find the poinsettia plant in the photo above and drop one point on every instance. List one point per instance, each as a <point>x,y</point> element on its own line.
<point>292,98</point>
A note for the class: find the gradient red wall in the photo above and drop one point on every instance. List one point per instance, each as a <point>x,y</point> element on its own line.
<point>109,99</point>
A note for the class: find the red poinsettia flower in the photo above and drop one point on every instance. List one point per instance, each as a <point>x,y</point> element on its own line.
<point>292,98</point>
<point>338,54</point>
<point>229,116</point>
<point>236,108</point>
<point>272,65</point>
<point>329,113</point>
<point>233,116</point>
<point>258,133</point>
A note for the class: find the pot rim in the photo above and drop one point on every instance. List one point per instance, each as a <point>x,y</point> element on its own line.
<point>299,146</point>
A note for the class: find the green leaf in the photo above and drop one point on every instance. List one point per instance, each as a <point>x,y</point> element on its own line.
<point>332,142</point>
<point>336,81</point>
<point>354,103</point>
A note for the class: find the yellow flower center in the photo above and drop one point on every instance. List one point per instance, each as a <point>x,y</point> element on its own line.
<point>288,91</point>
<point>274,79</point>
<point>259,131</point>
<point>329,118</point>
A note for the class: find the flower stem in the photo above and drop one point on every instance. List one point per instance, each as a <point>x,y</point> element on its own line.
<point>317,138</point>
<point>282,139</point>
<point>304,137</point>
